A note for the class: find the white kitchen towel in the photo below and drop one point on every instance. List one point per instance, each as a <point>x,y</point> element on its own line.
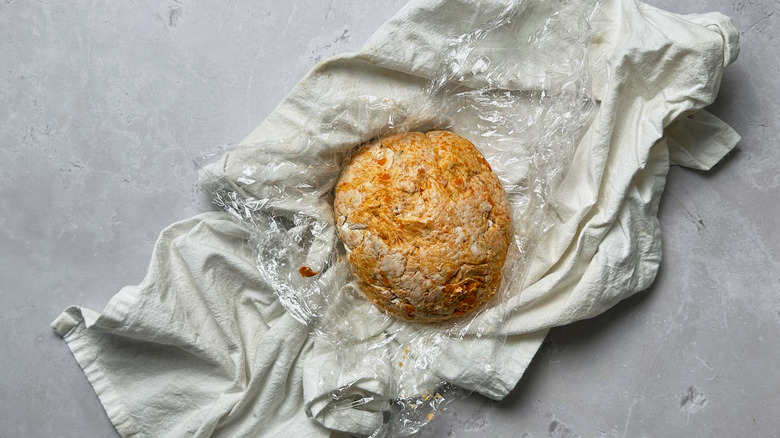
<point>203,346</point>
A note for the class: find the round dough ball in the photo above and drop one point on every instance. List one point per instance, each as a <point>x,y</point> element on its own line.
<point>426,224</point>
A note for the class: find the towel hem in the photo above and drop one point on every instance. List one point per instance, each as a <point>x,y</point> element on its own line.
<point>71,325</point>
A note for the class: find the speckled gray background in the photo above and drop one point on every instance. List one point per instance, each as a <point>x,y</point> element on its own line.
<point>104,105</point>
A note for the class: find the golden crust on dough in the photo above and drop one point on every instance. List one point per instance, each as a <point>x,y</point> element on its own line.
<point>426,223</point>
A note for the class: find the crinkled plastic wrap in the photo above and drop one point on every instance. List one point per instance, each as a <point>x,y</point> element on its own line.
<point>526,120</point>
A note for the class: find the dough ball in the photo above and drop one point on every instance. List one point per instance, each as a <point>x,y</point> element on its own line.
<point>426,225</point>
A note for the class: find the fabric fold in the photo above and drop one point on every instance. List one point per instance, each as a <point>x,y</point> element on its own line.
<point>201,347</point>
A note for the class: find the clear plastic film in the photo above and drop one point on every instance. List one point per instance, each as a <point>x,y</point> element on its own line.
<point>525,107</point>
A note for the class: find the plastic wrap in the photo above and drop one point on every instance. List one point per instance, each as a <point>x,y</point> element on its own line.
<point>525,117</point>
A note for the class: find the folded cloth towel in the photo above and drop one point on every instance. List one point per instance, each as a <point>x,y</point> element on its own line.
<point>204,347</point>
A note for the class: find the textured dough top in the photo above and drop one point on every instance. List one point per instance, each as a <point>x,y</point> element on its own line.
<point>426,224</point>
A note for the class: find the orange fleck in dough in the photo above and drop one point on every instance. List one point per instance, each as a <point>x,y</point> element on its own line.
<point>426,224</point>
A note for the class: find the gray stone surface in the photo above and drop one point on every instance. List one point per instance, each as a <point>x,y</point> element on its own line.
<point>103,106</point>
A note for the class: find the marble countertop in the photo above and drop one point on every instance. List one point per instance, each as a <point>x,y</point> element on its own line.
<point>104,106</point>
